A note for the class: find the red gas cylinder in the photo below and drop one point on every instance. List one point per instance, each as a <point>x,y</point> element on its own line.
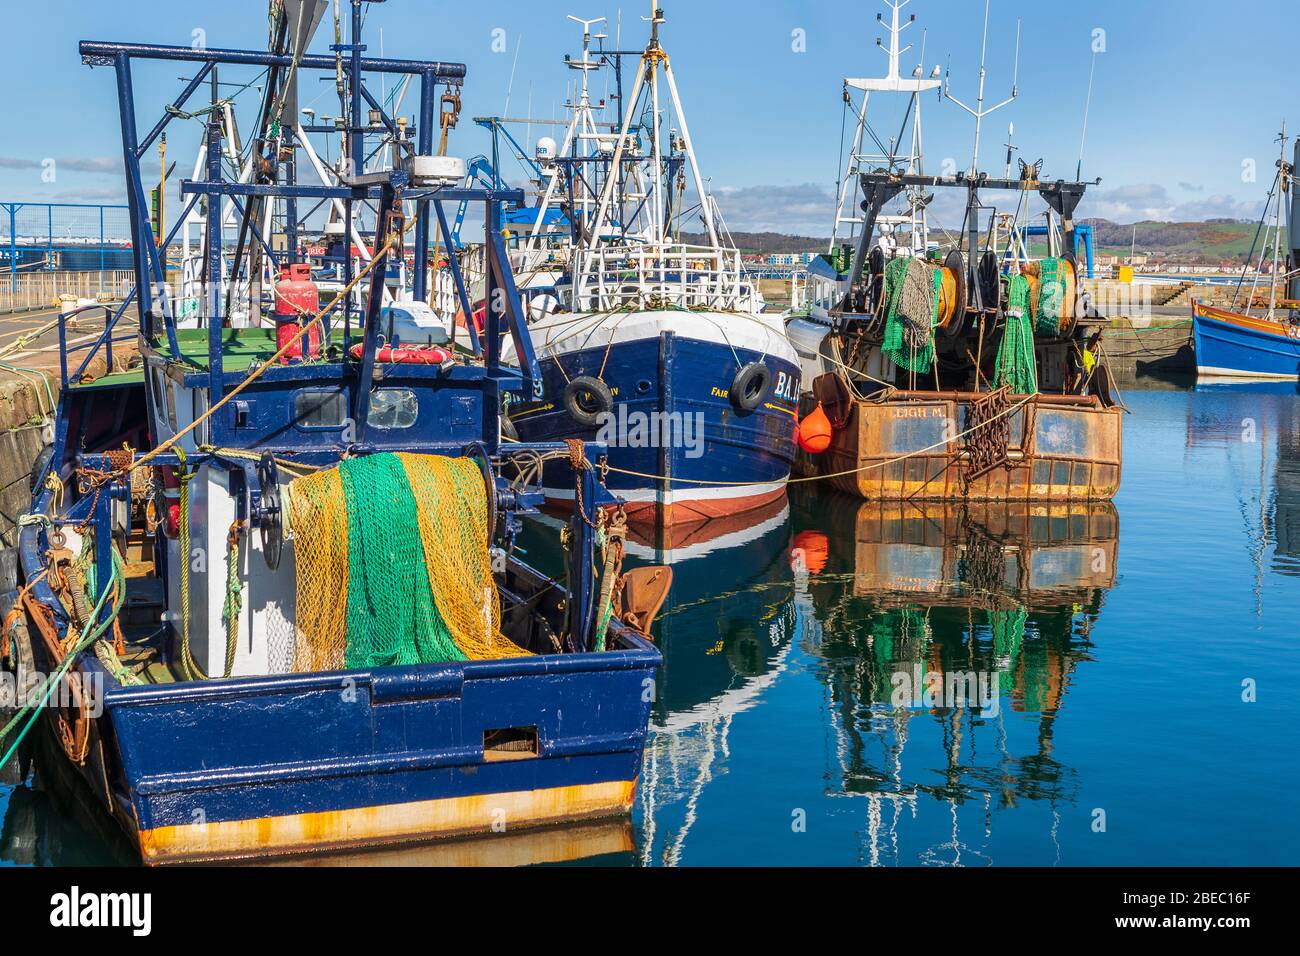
<point>296,300</point>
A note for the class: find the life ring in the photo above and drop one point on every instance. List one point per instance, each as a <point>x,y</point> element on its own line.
<point>405,355</point>
<point>586,399</point>
<point>749,386</point>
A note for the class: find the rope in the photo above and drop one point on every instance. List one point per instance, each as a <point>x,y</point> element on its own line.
<point>234,602</point>
<point>615,538</point>
<point>88,637</point>
<point>838,474</point>
<point>1150,328</point>
<point>189,667</point>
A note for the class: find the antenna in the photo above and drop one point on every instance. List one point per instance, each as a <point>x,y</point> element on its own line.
<point>1087,106</point>
<point>979,112</point>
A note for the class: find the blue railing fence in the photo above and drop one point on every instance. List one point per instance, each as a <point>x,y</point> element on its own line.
<point>48,249</point>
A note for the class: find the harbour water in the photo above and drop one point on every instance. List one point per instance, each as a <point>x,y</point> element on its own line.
<point>1142,660</point>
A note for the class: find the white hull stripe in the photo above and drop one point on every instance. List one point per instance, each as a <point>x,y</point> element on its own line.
<point>1238,373</point>
<point>682,493</point>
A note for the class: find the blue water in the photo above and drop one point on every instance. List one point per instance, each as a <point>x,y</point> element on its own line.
<point>1120,640</point>
<point>1121,737</point>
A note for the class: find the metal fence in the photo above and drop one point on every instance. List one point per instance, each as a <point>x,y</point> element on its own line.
<point>53,251</point>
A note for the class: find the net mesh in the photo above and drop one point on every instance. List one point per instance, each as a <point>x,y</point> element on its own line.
<point>1016,363</point>
<point>392,564</point>
<point>1051,293</point>
<point>912,291</point>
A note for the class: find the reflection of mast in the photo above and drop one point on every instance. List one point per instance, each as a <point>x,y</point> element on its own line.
<point>697,739</point>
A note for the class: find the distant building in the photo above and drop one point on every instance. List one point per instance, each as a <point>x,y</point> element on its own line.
<point>790,258</point>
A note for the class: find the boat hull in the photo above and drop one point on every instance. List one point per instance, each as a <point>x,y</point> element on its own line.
<point>734,461</point>
<point>256,767</point>
<point>1241,346</point>
<point>1061,448</point>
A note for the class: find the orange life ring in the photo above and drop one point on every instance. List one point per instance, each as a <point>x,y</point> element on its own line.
<point>404,355</point>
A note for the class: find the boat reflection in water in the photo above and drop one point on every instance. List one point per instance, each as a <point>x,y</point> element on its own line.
<point>950,614</point>
<point>735,616</point>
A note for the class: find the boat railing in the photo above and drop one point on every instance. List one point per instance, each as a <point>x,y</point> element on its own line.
<point>611,277</point>
<point>103,342</point>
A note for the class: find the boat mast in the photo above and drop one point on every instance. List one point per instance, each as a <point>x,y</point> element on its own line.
<point>979,112</point>
<point>1277,221</point>
<point>582,127</point>
<point>891,82</point>
<point>648,75</point>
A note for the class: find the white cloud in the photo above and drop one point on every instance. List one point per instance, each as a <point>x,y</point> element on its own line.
<point>1151,201</point>
<point>807,209</point>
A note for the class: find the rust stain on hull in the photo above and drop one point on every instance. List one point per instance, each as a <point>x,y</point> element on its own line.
<point>1062,448</point>
<point>381,825</point>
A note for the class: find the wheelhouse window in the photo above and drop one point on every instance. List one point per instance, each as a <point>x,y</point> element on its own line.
<point>393,408</point>
<point>320,408</point>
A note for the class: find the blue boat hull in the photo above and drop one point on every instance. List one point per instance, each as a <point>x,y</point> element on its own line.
<point>263,766</point>
<point>1228,344</point>
<point>739,460</point>
<point>380,756</point>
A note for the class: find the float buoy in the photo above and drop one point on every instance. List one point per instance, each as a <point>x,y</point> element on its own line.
<point>479,316</point>
<point>404,355</point>
<point>813,547</point>
<point>815,431</point>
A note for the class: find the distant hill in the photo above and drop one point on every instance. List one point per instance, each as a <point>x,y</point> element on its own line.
<point>1209,242</point>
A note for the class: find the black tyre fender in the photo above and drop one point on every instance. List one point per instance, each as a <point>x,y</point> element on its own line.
<point>508,429</point>
<point>586,399</point>
<point>749,386</point>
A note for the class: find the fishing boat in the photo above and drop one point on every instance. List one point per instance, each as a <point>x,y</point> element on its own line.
<point>1263,344</point>
<point>271,602</point>
<point>962,371</point>
<point>656,346</point>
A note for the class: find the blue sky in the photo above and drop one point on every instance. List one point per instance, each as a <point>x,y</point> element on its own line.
<point>1184,92</point>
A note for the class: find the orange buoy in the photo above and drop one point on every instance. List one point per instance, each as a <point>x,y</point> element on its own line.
<point>815,431</point>
<point>814,548</point>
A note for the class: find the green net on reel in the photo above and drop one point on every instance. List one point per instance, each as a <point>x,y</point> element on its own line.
<point>1015,363</point>
<point>1051,295</point>
<point>392,618</point>
<point>912,293</point>
<point>392,564</point>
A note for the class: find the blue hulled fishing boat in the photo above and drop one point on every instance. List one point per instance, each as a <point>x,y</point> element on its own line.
<point>270,598</point>
<point>1231,344</point>
<point>658,347</point>
<point>1263,343</point>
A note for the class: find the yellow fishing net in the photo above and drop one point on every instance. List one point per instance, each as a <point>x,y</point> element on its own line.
<point>393,565</point>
